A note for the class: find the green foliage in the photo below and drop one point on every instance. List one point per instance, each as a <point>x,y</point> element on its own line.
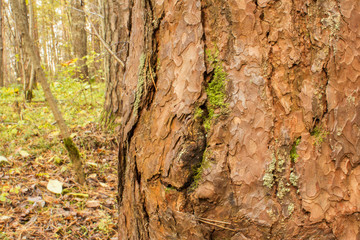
<point>3,236</point>
<point>199,113</point>
<point>70,70</point>
<point>3,197</point>
<point>106,225</point>
<point>6,190</point>
<point>169,189</point>
<point>79,102</point>
<point>11,92</point>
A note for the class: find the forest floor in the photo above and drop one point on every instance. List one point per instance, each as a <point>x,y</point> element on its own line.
<point>31,156</point>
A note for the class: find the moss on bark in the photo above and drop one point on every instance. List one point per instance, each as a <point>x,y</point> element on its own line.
<point>75,158</point>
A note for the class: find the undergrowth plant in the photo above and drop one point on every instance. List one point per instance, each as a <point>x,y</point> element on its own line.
<point>32,127</point>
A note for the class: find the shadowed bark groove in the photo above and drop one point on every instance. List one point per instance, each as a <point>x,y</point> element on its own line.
<point>280,160</point>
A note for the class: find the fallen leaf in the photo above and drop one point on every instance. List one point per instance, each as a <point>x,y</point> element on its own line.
<point>24,153</point>
<point>3,160</point>
<point>4,218</point>
<point>54,186</point>
<point>99,150</point>
<point>49,199</point>
<point>103,185</point>
<point>93,175</point>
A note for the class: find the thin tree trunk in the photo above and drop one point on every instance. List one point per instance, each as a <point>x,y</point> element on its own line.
<point>66,32</point>
<point>54,42</point>
<point>15,74</point>
<point>1,46</point>
<point>105,63</point>
<point>33,35</point>
<point>20,18</point>
<point>28,91</point>
<point>23,58</point>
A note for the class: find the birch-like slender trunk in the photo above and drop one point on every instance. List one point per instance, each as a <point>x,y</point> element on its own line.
<point>1,48</point>
<point>32,51</point>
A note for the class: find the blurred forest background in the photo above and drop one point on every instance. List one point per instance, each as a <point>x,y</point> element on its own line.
<point>40,197</point>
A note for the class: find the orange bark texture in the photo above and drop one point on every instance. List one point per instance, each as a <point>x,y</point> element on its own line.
<point>282,162</point>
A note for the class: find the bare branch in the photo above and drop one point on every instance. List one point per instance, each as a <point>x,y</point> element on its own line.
<point>103,42</point>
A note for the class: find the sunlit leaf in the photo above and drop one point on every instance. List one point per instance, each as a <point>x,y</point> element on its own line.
<point>24,153</point>
<point>3,160</point>
<point>55,186</point>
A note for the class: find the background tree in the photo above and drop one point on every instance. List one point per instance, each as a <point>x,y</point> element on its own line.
<point>116,33</point>
<point>1,46</point>
<point>22,27</point>
<point>50,27</point>
<point>33,35</point>
<point>252,129</point>
<point>79,38</point>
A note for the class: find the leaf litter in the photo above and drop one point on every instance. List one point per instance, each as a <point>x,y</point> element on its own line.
<point>41,200</point>
<point>32,157</point>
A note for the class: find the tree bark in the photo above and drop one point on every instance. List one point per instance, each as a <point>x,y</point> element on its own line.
<point>23,29</point>
<point>65,19</point>
<point>117,34</point>
<point>253,131</point>
<point>78,24</point>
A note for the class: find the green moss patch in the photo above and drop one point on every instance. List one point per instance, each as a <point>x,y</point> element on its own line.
<point>198,169</point>
<point>320,134</point>
<point>293,153</point>
<point>216,90</point>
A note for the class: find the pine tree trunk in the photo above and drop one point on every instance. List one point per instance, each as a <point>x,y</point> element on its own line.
<point>239,119</point>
